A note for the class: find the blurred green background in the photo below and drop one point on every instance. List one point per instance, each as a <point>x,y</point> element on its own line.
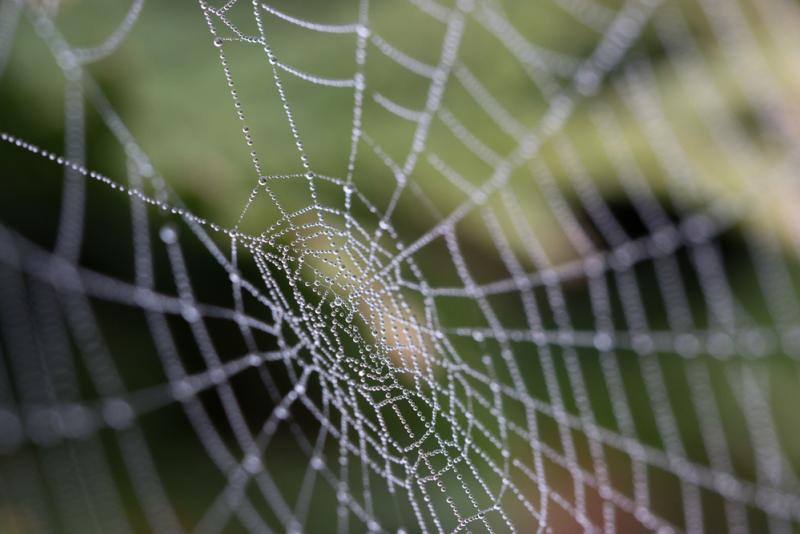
<point>166,83</point>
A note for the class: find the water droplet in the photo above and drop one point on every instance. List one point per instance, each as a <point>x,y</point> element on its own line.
<point>217,375</point>
<point>117,413</point>
<point>168,234</point>
<point>252,464</point>
<point>182,390</point>
<point>190,313</point>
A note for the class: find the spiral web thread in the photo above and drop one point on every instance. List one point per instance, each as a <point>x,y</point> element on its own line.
<point>498,424</point>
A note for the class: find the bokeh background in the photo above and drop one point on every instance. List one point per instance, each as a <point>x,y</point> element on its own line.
<point>728,94</point>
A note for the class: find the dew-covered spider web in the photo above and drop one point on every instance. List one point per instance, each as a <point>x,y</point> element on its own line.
<point>472,265</point>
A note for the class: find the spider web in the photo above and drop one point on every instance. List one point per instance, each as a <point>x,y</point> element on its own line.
<point>492,346</point>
